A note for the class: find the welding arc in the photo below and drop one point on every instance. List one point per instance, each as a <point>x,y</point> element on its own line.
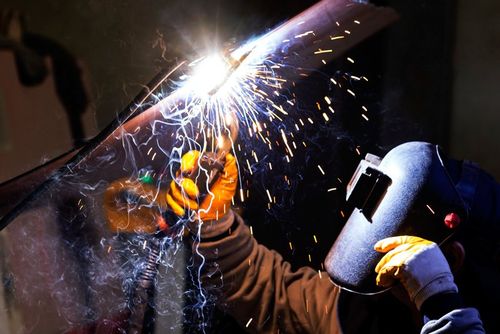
<point>234,64</point>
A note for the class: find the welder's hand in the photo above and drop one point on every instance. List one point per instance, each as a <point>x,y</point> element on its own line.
<point>134,207</point>
<point>418,264</point>
<point>184,192</point>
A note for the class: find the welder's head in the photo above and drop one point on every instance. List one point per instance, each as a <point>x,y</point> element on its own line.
<point>414,190</point>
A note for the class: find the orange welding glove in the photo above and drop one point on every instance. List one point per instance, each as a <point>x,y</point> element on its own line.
<point>418,264</point>
<point>183,194</point>
<point>134,207</point>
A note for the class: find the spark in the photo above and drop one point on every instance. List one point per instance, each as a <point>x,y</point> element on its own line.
<point>248,323</point>
<point>430,209</point>
<point>285,140</point>
<point>249,167</point>
<point>331,189</point>
<point>320,51</point>
<point>255,156</point>
<point>269,196</point>
<point>310,32</point>
<point>280,109</point>
<point>321,170</point>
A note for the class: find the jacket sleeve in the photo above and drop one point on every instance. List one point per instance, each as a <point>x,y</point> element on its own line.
<point>464,321</point>
<point>258,288</point>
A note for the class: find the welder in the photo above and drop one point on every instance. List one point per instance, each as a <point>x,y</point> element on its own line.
<point>263,293</point>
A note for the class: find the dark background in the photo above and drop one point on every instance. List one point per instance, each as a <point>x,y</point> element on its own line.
<point>433,77</point>
<point>439,63</point>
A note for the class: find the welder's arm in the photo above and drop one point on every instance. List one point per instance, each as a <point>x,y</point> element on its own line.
<point>258,288</point>
<point>421,268</point>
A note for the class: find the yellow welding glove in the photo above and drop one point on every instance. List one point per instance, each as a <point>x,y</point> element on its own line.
<point>418,264</point>
<point>183,193</point>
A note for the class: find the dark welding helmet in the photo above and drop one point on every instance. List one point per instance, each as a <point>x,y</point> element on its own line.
<point>409,192</point>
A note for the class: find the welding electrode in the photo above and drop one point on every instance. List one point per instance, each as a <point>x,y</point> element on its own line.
<point>233,66</point>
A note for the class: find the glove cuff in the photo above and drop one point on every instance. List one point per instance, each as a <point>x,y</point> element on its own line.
<point>441,284</point>
<point>429,275</point>
<point>212,228</point>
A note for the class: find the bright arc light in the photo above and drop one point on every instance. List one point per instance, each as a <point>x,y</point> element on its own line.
<point>209,74</point>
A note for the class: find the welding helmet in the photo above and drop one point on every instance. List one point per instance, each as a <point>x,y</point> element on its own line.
<point>409,192</point>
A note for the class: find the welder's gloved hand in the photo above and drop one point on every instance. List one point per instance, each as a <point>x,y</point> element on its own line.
<point>183,193</point>
<point>418,264</point>
<point>132,206</point>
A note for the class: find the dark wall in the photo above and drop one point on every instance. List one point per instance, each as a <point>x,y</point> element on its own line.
<point>125,43</point>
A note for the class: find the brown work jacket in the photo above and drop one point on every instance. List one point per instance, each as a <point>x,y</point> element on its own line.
<point>259,289</point>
